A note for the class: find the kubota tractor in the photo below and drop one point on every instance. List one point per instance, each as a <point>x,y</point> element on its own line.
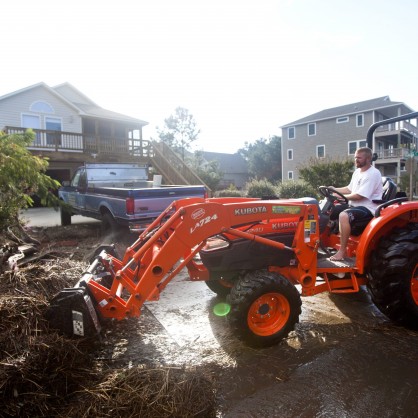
<point>262,255</point>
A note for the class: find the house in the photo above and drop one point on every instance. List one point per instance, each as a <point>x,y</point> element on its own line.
<point>233,166</point>
<point>71,129</point>
<point>339,131</point>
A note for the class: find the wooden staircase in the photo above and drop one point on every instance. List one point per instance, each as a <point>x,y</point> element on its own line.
<point>173,169</point>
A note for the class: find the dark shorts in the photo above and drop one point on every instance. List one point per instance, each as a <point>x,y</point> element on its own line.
<point>355,213</point>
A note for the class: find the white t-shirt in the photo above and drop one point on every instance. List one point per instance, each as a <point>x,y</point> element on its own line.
<point>367,184</point>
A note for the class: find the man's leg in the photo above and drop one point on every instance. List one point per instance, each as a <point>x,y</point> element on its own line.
<point>345,230</point>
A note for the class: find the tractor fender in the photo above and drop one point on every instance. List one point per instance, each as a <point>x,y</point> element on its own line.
<point>395,215</point>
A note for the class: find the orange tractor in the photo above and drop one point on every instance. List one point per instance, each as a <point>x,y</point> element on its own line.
<point>262,255</point>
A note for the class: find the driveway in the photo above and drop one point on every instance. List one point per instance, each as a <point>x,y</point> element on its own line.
<point>46,217</point>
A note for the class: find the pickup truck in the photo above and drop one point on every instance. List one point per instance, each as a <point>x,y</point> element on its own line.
<point>120,195</point>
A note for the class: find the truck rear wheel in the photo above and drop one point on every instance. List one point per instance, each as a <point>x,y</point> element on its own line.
<point>265,307</point>
<point>109,227</point>
<point>393,278</point>
<point>65,215</point>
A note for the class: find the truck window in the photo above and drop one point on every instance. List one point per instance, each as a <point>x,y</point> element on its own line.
<point>76,179</point>
<point>82,181</point>
<point>79,179</point>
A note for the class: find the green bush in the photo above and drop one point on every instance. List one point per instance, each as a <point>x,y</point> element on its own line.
<point>231,191</point>
<point>261,188</point>
<point>295,189</point>
<point>327,172</point>
<point>21,176</point>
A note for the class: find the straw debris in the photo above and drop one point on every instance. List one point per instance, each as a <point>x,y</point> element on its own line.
<point>44,374</point>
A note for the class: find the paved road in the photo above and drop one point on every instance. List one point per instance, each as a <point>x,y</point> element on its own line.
<point>44,217</point>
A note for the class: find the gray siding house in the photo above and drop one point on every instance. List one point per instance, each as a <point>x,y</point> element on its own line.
<point>339,131</point>
<point>71,129</point>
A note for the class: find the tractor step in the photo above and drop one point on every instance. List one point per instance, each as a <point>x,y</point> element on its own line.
<point>324,263</point>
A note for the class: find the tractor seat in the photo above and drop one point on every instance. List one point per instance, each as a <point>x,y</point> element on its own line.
<point>389,190</point>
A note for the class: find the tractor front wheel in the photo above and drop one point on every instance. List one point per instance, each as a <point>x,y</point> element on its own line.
<point>393,278</point>
<point>219,286</point>
<point>265,307</point>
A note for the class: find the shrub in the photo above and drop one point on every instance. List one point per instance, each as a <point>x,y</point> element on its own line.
<point>327,172</point>
<point>231,191</point>
<point>261,188</point>
<point>296,188</point>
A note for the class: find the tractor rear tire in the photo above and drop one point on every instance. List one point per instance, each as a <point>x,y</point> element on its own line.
<point>393,278</point>
<point>265,307</point>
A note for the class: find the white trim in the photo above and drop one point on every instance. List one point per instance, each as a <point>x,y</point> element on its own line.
<point>314,124</point>
<point>343,119</point>
<point>288,132</point>
<point>317,154</point>
<point>362,118</point>
<point>51,112</point>
<point>290,175</point>
<point>358,145</point>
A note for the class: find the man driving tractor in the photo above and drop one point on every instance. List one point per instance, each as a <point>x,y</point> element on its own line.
<point>365,187</point>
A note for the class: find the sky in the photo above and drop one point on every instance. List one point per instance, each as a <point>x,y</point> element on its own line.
<point>242,68</point>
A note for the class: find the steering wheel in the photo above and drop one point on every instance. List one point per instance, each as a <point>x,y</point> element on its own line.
<point>330,194</point>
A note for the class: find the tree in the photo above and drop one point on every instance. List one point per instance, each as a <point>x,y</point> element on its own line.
<point>21,175</point>
<point>326,172</point>
<point>208,171</point>
<point>264,158</point>
<point>180,130</point>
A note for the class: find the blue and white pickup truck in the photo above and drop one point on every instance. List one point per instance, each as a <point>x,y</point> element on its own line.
<point>119,195</point>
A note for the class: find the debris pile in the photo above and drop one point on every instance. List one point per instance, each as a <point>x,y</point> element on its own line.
<point>43,373</point>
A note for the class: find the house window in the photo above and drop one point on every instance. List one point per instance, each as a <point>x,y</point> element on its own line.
<point>320,151</point>
<point>290,175</point>
<point>311,129</point>
<point>291,133</point>
<point>41,107</point>
<point>354,145</point>
<point>359,120</point>
<point>343,119</point>
<point>34,122</point>
<point>53,124</point>
<point>290,154</point>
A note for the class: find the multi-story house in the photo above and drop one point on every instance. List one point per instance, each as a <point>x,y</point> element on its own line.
<point>339,131</point>
<point>70,129</point>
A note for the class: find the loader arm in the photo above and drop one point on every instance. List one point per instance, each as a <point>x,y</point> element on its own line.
<point>119,288</point>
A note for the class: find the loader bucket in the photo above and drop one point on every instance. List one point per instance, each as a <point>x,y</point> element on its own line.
<point>72,312</point>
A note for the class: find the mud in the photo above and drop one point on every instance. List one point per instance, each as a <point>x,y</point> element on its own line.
<point>344,359</point>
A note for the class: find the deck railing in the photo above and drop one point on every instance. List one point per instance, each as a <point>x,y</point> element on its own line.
<point>393,153</point>
<point>399,126</point>
<point>46,140</point>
